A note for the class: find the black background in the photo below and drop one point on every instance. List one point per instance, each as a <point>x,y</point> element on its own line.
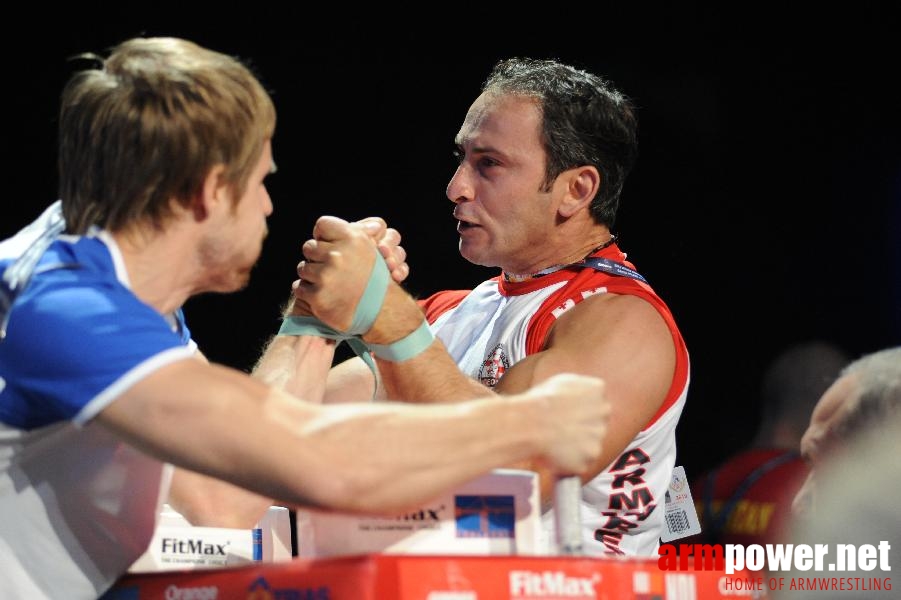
<point>764,207</point>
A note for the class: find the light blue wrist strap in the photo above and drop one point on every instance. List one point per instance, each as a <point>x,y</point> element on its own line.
<point>367,310</point>
<point>407,347</point>
<point>314,327</point>
<point>372,299</point>
<point>364,316</point>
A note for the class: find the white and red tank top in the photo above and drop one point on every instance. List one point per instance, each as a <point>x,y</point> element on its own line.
<point>491,328</point>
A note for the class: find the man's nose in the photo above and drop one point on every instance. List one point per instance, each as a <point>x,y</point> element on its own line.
<point>459,189</point>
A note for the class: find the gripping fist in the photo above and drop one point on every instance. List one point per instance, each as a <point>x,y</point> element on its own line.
<point>338,262</point>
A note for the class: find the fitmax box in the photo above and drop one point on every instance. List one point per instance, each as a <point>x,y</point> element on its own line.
<point>496,514</point>
<point>178,545</point>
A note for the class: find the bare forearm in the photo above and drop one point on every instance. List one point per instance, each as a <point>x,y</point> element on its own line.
<point>371,458</point>
<point>430,449</point>
<point>352,381</point>
<point>298,365</point>
<point>376,457</point>
<point>208,502</point>
<point>401,459</point>
<point>432,376</point>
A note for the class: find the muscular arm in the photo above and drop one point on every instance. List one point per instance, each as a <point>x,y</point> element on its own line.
<point>377,457</point>
<point>296,364</point>
<point>620,338</point>
<point>352,381</point>
<point>433,376</point>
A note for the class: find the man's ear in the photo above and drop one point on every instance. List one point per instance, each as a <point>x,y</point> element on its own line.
<point>213,194</point>
<point>582,185</point>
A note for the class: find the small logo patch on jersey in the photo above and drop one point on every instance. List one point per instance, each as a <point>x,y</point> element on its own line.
<point>494,366</point>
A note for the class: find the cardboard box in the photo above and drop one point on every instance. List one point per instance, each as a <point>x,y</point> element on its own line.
<point>496,514</point>
<point>177,545</point>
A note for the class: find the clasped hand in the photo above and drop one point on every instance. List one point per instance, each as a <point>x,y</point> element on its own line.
<point>338,261</point>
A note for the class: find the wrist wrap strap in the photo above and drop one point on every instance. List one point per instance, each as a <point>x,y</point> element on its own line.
<point>407,347</point>
<point>367,311</point>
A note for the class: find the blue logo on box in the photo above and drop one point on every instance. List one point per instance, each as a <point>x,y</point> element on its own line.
<point>485,516</point>
<point>261,590</point>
